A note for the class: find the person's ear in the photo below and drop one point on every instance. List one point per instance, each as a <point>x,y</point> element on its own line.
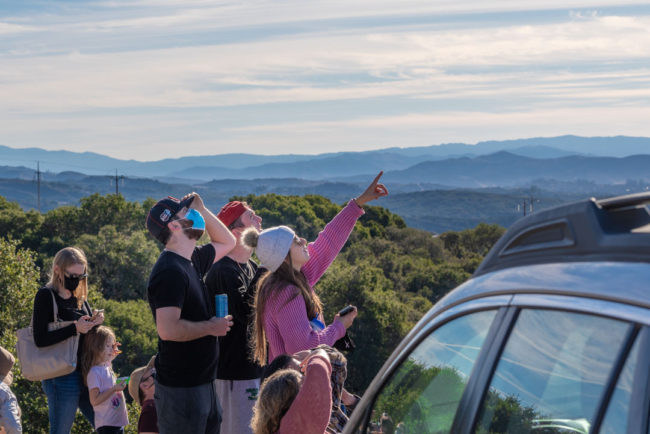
<point>174,225</point>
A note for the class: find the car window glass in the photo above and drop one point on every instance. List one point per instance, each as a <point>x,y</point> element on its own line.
<point>615,420</point>
<point>423,393</point>
<point>552,373</point>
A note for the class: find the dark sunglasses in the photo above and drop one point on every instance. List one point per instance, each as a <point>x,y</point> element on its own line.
<point>76,276</point>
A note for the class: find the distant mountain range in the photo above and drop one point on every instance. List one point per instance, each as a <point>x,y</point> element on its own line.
<point>438,188</point>
<point>316,167</point>
<point>506,169</point>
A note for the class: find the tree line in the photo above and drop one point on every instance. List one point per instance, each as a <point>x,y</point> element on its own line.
<point>391,272</point>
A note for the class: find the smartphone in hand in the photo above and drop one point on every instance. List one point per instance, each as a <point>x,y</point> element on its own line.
<point>346,310</point>
<point>96,314</point>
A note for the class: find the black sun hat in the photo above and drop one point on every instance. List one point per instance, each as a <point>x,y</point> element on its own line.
<point>162,212</point>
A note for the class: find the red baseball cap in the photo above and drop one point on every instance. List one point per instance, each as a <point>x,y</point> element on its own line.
<point>231,212</point>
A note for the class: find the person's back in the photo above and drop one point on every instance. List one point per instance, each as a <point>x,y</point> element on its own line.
<point>291,405</point>
<point>237,281</point>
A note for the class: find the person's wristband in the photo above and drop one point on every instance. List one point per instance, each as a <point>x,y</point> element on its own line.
<point>355,200</point>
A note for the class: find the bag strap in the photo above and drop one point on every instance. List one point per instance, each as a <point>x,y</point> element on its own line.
<point>55,309</point>
<point>54,306</point>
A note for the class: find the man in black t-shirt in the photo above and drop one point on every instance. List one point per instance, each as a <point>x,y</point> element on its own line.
<point>236,274</point>
<point>186,365</point>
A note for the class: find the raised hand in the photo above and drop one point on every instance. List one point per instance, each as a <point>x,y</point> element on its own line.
<point>197,202</point>
<point>374,191</point>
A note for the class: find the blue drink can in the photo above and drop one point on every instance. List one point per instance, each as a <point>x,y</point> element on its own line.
<point>221,301</point>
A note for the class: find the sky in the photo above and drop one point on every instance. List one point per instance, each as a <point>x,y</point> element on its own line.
<point>153,79</point>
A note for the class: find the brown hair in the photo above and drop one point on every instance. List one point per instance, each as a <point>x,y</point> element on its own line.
<point>268,286</point>
<point>62,260</point>
<point>94,344</point>
<point>277,393</point>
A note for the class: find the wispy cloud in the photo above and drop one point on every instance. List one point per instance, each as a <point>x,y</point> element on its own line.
<point>281,66</point>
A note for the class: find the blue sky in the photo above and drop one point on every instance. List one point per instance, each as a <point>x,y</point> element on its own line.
<point>152,79</point>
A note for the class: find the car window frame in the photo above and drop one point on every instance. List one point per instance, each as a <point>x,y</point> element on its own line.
<point>500,303</point>
<point>508,307</point>
<point>479,382</point>
<point>640,396</point>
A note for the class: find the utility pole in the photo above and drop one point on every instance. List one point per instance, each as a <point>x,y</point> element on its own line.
<point>117,182</point>
<point>527,205</point>
<point>38,184</point>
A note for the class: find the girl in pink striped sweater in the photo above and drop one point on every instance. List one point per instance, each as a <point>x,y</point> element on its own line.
<point>288,313</point>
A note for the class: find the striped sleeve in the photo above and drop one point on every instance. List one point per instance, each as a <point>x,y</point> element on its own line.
<point>330,241</point>
<point>295,332</point>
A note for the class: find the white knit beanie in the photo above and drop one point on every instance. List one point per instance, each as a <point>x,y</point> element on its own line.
<point>273,245</point>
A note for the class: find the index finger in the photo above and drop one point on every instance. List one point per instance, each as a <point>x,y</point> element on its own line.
<point>376,180</point>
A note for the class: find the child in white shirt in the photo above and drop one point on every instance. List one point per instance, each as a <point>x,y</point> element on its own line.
<point>106,397</point>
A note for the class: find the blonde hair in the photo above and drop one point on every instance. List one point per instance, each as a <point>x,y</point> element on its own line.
<point>94,344</point>
<point>63,259</point>
<point>277,393</point>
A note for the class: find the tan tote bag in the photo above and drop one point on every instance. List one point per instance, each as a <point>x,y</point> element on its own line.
<point>43,363</point>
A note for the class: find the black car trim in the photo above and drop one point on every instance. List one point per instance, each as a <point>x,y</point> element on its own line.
<point>614,375</point>
<point>615,229</point>
<point>639,411</point>
<point>583,305</point>
<point>470,405</point>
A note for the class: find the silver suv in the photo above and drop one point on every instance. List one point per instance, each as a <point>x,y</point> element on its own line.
<point>551,335</point>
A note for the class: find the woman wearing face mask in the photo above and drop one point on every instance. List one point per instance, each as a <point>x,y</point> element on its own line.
<point>68,284</point>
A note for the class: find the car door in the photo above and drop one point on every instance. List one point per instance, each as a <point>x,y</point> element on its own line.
<point>423,388</point>
<point>533,367</point>
<point>567,365</point>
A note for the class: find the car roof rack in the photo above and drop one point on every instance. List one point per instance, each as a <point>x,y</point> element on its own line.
<point>612,229</point>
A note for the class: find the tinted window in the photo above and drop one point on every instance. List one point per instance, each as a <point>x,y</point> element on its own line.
<point>615,420</point>
<point>552,373</point>
<point>423,393</point>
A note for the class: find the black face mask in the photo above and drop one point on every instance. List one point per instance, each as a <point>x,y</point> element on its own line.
<point>71,283</point>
